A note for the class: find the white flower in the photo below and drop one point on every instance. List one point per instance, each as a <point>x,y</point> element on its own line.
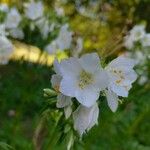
<point>146,40</point>
<point>129,42</point>
<point>63,101</point>
<point>85,118</point>
<point>4,7</point>
<point>13,19</point>
<point>143,79</point>
<point>59,11</point>
<point>34,10</point>
<point>51,48</point>
<point>83,78</point>
<point>44,27</point>
<point>112,100</point>
<point>121,75</point>
<point>16,33</point>
<point>64,38</point>
<point>6,49</point>
<point>138,32</point>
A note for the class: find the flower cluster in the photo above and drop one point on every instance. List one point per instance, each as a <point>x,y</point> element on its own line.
<point>138,44</point>
<point>66,40</point>
<point>35,18</point>
<point>84,79</point>
<point>137,35</point>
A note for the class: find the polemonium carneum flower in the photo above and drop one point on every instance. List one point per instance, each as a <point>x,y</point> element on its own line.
<point>83,78</point>
<point>34,10</point>
<point>85,118</point>
<point>13,19</point>
<point>16,33</point>
<point>63,101</point>
<point>64,38</point>
<point>6,49</point>
<point>121,76</point>
<point>146,40</point>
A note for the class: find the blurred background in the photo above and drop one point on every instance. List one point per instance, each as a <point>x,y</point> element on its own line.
<point>102,25</point>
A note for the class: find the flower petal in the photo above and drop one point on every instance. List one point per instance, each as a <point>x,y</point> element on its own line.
<point>70,67</point>
<point>120,90</point>
<point>88,96</point>
<point>63,101</point>
<point>55,80</point>
<point>57,67</point>
<point>90,62</point>
<point>101,79</point>
<point>122,61</point>
<point>112,100</point>
<point>85,118</point>
<point>68,86</point>
<point>67,111</point>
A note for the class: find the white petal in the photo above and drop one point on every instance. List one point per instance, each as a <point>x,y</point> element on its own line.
<point>85,118</point>
<point>101,79</point>
<point>57,67</point>
<point>122,61</point>
<point>130,76</point>
<point>70,67</point>
<point>90,62</point>
<point>68,111</point>
<point>88,96</point>
<point>119,90</point>
<point>55,80</point>
<point>112,100</point>
<point>94,117</point>
<point>63,101</point>
<point>68,86</point>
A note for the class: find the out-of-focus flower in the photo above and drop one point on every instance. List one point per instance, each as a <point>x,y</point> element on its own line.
<point>51,48</point>
<point>83,78</point>
<point>44,27</point>
<point>16,33</point>
<point>4,7</point>
<point>64,38</point>
<point>77,47</point>
<point>121,76</point>
<point>2,30</point>
<point>143,79</point>
<point>59,11</point>
<point>146,40</point>
<point>138,32</point>
<point>6,49</point>
<point>63,101</point>
<point>34,10</point>
<point>85,118</point>
<point>129,42</point>
<point>13,19</point>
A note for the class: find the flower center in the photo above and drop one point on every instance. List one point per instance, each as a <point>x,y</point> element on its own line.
<point>85,79</point>
<point>119,74</point>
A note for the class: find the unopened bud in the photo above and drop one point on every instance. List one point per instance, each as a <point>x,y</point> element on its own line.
<point>49,92</point>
